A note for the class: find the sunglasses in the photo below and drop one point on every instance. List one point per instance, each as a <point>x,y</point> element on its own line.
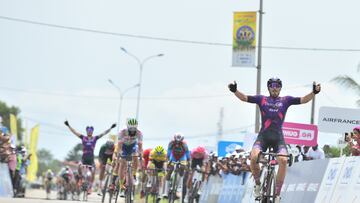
<point>274,85</point>
<point>89,128</point>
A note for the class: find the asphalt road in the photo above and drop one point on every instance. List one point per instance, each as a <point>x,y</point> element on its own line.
<point>39,196</point>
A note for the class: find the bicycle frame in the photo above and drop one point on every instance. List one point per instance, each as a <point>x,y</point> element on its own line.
<point>268,187</point>
<point>195,186</point>
<point>85,180</point>
<point>174,181</point>
<point>155,183</point>
<point>129,192</point>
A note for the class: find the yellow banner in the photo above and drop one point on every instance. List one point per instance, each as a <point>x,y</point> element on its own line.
<point>33,167</point>
<point>244,39</point>
<point>13,126</point>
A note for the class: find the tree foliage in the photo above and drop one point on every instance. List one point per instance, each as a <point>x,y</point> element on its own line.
<point>349,82</point>
<point>5,112</point>
<point>75,153</point>
<point>47,161</point>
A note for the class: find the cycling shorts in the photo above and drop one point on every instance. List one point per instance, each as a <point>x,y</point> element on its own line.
<point>196,162</point>
<point>104,157</point>
<point>157,165</point>
<point>88,159</point>
<point>268,140</point>
<point>129,149</point>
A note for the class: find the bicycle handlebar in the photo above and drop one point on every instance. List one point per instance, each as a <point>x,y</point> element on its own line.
<point>273,154</point>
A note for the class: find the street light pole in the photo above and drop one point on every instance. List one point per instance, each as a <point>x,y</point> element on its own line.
<point>141,66</point>
<point>258,84</point>
<point>121,99</point>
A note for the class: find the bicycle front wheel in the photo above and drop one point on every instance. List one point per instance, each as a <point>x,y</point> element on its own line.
<point>270,187</point>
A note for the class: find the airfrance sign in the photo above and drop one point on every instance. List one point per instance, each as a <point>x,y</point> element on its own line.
<point>338,120</point>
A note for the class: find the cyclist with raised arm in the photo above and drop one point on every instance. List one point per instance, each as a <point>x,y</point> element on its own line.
<point>273,109</point>
<point>88,143</point>
<point>130,143</point>
<point>178,150</point>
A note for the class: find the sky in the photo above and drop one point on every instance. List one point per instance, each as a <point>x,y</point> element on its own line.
<point>54,73</point>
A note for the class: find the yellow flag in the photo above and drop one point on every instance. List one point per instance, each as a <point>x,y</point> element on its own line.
<point>33,167</point>
<point>13,126</point>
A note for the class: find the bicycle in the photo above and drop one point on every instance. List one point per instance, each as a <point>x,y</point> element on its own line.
<point>129,189</point>
<point>268,187</point>
<point>194,195</point>
<point>152,189</point>
<point>108,180</point>
<point>85,181</point>
<point>174,184</point>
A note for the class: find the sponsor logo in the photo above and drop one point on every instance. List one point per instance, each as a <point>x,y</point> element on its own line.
<point>341,120</point>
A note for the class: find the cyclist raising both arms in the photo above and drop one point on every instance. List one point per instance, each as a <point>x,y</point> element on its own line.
<point>130,143</point>
<point>89,143</point>
<point>273,109</point>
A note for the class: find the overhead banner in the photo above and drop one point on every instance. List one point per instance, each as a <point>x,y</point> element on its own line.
<point>338,120</point>
<point>244,39</point>
<point>300,134</point>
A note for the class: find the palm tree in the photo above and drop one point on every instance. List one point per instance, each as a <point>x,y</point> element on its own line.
<point>349,82</point>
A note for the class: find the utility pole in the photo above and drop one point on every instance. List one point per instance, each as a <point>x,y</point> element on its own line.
<point>220,128</point>
<point>258,84</point>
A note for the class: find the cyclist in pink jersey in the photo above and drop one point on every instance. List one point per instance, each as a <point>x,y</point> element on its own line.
<point>273,109</point>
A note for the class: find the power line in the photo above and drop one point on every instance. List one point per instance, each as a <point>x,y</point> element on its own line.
<point>111,98</point>
<point>168,39</point>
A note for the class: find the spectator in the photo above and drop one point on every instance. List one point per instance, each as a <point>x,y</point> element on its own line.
<point>327,151</point>
<point>299,157</point>
<point>316,153</point>
<point>306,153</point>
<point>354,141</point>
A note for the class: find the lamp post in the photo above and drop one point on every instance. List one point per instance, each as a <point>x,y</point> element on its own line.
<point>141,66</point>
<point>121,98</point>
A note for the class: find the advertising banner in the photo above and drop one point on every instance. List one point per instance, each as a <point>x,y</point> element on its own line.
<point>225,147</point>
<point>5,181</point>
<point>302,182</point>
<point>301,134</point>
<point>346,182</point>
<point>244,39</point>
<point>330,179</point>
<point>338,120</point>
<point>233,188</point>
<point>211,190</point>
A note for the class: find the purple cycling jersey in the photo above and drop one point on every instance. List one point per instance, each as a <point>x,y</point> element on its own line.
<point>88,144</point>
<point>273,111</point>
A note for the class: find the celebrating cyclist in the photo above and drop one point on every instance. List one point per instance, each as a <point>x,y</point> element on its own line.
<point>130,143</point>
<point>273,109</point>
<point>89,143</point>
<point>105,154</point>
<point>177,151</point>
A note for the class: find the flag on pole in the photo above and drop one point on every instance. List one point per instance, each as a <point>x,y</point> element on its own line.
<point>33,167</point>
<point>244,39</point>
<point>13,126</point>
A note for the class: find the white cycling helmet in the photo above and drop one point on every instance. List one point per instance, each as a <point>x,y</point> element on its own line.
<point>179,137</point>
